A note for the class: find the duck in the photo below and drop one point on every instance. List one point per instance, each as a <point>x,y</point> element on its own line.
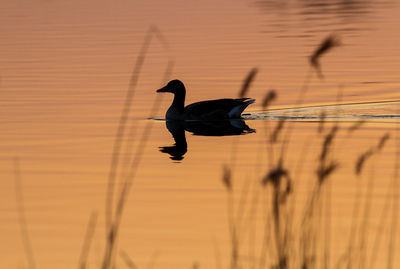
<point>219,109</point>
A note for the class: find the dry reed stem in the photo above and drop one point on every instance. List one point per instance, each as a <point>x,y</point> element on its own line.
<point>127,260</point>
<point>353,228</point>
<point>252,224</point>
<point>329,168</point>
<point>153,30</point>
<point>244,89</point>
<point>121,129</point>
<point>308,237</point>
<point>128,181</point>
<point>227,182</point>
<point>326,167</point>
<point>360,163</point>
<point>325,171</point>
<point>152,260</point>
<point>368,154</point>
<point>297,172</point>
<point>247,82</point>
<point>368,197</point>
<point>322,118</point>
<point>384,217</point>
<point>362,159</point>
<point>395,197</point>
<point>326,45</point>
<point>242,203</point>
<point>267,240</point>
<point>113,223</point>
<point>299,101</point>
<point>21,215</point>
<point>217,255</point>
<point>364,223</point>
<point>281,183</point>
<point>327,143</point>
<point>380,230</point>
<point>277,130</point>
<point>234,236</point>
<point>268,98</point>
<point>382,141</point>
<point>88,240</point>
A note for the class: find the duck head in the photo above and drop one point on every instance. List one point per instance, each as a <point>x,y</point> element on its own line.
<point>175,87</point>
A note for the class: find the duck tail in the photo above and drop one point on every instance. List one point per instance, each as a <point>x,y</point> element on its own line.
<point>237,110</point>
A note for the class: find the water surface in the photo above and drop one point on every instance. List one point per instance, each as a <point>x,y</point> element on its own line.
<point>65,69</point>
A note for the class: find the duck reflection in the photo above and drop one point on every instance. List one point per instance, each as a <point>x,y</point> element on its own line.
<point>178,133</point>
<point>203,128</point>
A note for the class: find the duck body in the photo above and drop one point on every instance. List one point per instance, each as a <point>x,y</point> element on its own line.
<point>206,110</point>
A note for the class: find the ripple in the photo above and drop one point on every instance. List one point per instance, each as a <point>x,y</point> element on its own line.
<point>379,111</point>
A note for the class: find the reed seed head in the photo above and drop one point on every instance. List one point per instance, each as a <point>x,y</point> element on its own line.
<point>247,81</point>
<point>362,159</point>
<point>325,171</point>
<point>226,178</point>
<point>326,45</point>
<point>268,98</point>
<point>356,126</point>
<point>382,141</point>
<point>327,143</point>
<point>275,175</point>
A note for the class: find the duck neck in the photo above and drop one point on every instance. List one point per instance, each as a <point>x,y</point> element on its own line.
<point>179,101</point>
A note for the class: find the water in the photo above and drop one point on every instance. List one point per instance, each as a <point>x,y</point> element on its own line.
<point>64,73</point>
<point>374,111</point>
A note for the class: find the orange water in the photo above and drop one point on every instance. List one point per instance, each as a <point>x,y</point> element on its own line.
<point>64,72</point>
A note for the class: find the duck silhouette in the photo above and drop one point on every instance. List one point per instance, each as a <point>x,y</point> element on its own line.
<point>206,110</point>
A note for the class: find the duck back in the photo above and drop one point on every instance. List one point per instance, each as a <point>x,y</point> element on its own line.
<point>217,109</point>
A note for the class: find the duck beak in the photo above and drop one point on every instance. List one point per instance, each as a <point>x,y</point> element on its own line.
<point>163,89</point>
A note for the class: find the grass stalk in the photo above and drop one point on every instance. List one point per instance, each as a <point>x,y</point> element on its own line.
<point>122,126</point>
<point>115,219</point>
<point>395,198</point>
<point>23,223</point>
<point>87,241</point>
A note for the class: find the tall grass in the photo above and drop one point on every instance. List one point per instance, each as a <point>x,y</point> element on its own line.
<point>285,243</point>
<point>113,220</point>
<point>23,223</point>
<point>88,240</point>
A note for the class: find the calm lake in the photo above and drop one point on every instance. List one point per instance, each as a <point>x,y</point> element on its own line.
<point>65,70</point>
